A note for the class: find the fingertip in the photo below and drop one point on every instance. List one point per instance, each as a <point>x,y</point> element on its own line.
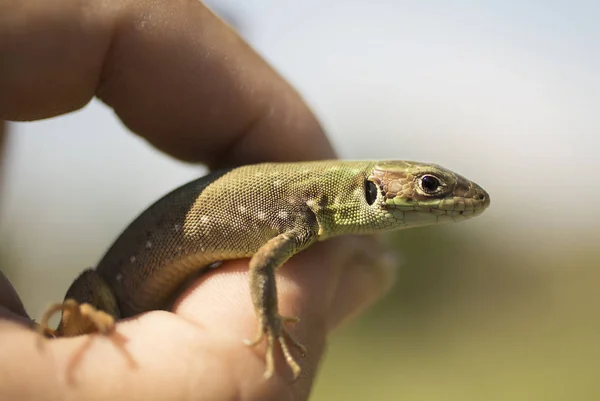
<point>186,82</point>
<point>220,302</point>
<point>363,283</point>
<point>9,299</point>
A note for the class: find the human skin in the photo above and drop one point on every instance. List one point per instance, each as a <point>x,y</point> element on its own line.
<point>180,78</point>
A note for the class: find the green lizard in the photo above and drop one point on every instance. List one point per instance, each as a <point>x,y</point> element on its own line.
<point>268,212</point>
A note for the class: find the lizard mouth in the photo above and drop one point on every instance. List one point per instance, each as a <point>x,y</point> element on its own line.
<point>452,209</point>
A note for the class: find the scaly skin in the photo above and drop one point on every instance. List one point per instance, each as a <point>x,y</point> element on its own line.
<point>268,212</point>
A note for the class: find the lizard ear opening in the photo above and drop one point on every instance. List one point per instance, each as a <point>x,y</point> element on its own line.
<point>370,192</point>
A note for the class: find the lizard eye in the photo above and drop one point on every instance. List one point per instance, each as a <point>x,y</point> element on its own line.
<point>370,192</point>
<point>430,184</point>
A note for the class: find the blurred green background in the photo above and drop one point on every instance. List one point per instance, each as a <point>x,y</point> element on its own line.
<point>503,307</point>
<point>474,319</point>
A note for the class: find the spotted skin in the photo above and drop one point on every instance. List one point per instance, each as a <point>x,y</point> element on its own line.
<point>268,212</point>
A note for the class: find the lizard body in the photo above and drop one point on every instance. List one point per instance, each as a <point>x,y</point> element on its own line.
<point>268,212</point>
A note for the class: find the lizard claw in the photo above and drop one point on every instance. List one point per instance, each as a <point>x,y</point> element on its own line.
<point>277,331</point>
<point>77,319</point>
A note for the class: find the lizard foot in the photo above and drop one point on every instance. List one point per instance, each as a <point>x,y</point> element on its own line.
<point>76,319</point>
<point>278,331</point>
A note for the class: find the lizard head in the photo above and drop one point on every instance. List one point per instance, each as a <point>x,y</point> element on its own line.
<point>416,194</point>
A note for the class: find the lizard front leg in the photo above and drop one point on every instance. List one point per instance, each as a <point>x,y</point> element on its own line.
<point>264,297</point>
<point>90,306</point>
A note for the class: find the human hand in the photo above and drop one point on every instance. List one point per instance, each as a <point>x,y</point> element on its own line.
<point>179,77</point>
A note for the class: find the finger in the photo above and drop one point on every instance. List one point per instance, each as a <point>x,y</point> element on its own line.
<point>173,72</point>
<point>199,351</point>
<point>11,306</point>
<point>369,272</point>
<point>157,356</point>
<point>322,286</point>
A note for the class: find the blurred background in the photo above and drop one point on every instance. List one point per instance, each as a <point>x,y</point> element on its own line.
<point>503,307</point>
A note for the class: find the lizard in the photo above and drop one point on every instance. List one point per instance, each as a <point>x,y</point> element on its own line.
<point>267,212</point>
